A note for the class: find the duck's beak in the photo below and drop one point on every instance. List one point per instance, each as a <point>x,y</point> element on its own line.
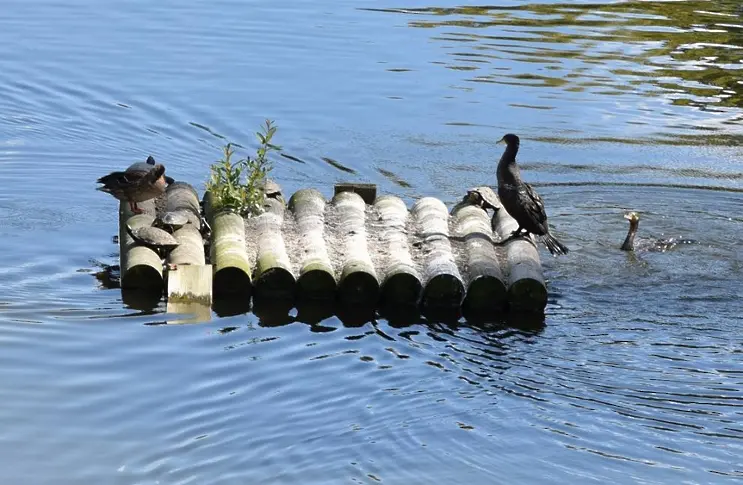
<point>502,140</point>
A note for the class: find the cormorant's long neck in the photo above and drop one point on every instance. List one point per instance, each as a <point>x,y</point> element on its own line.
<point>629,241</point>
<point>508,172</point>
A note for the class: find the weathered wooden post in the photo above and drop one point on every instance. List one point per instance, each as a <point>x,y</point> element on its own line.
<point>526,288</point>
<point>227,252</point>
<point>401,281</point>
<point>274,277</point>
<point>358,283</point>
<point>141,267</point>
<point>316,276</point>
<point>442,282</point>
<point>189,277</point>
<point>486,290</point>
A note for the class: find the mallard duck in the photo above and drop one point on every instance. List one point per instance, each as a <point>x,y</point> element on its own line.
<point>650,244</point>
<point>135,185</point>
<point>521,201</point>
<point>150,161</point>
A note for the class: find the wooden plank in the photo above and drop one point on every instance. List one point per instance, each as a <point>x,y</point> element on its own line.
<point>368,192</point>
<point>190,284</point>
<point>486,288</point>
<point>527,291</point>
<point>401,281</point>
<point>316,276</point>
<point>442,282</point>
<point>358,283</point>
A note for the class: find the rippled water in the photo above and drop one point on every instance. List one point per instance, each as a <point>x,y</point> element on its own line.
<point>635,373</point>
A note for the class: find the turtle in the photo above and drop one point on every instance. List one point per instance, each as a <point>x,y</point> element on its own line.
<point>173,220</point>
<point>484,197</point>
<point>154,238</point>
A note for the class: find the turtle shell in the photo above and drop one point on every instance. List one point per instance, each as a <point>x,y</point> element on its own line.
<point>152,237</point>
<point>175,218</point>
<point>484,196</point>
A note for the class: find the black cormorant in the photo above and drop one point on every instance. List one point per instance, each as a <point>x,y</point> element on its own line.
<point>521,201</point>
<point>629,241</point>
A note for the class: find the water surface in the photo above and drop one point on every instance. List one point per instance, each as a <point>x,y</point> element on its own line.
<point>634,374</point>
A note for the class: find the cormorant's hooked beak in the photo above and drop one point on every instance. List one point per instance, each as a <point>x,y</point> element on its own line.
<point>502,140</point>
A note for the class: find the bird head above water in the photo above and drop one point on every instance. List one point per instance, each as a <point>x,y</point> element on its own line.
<point>632,217</point>
<point>634,221</point>
<point>510,140</point>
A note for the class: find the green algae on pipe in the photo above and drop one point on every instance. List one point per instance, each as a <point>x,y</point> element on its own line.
<point>231,268</point>
<point>442,282</point>
<point>527,291</point>
<point>358,283</point>
<point>401,281</point>
<point>316,276</point>
<point>141,267</point>
<point>486,288</point>
<point>274,277</point>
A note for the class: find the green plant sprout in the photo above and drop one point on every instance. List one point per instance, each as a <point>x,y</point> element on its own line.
<point>240,185</point>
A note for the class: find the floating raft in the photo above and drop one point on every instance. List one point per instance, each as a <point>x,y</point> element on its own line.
<point>357,249</point>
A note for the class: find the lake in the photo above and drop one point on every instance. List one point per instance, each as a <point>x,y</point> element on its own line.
<point>635,373</point>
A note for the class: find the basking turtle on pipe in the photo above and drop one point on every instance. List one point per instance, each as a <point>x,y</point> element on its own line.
<point>135,186</point>
<point>521,201</point>
<point>154,238</point>
<point>482,196</point>
<point>173,220</point>
<point>660,245</point>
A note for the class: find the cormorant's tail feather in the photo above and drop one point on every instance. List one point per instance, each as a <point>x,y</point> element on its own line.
<point>555,247</point>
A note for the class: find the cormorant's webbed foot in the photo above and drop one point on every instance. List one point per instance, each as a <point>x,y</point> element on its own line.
<point>514,235</point>
<point>518,232</point>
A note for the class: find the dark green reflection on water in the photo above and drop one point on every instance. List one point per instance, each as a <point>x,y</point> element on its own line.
<point>690,53</point>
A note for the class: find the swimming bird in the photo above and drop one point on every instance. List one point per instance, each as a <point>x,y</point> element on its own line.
<point>135,186</point>
<point>634,222</point>
<point>649,244</point>
<point>521,201</point>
